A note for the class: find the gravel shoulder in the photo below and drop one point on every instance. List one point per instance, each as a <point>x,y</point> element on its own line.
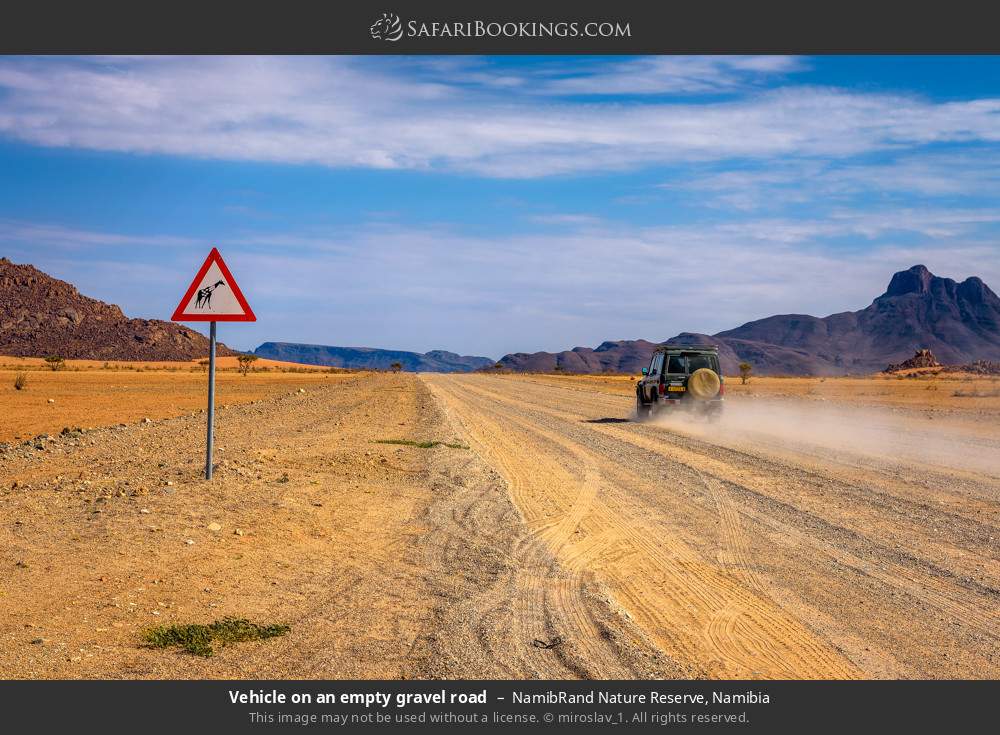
<point>387,560</point>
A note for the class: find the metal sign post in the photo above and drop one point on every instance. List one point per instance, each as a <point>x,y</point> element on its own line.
<point>213,297</point>
<point>211,402</point>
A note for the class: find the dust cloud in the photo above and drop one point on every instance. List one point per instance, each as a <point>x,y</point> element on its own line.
<point>845,433</point>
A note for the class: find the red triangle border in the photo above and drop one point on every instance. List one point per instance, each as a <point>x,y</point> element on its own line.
<point>247,316</point>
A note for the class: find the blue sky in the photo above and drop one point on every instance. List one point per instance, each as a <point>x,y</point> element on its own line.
<point>488,205</point>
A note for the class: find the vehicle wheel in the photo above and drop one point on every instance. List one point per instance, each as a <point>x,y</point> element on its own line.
<point>642,410</point>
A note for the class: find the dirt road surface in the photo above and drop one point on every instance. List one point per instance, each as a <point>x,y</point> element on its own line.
<point>749,555</point>
<point>556,538</point>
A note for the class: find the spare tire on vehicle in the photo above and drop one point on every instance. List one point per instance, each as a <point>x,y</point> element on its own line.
<point>704,383</point>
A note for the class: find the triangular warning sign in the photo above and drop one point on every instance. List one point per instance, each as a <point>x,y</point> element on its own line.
<point>214,296</point>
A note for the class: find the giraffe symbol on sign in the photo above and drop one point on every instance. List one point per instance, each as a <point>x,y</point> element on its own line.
<point>204,300</point>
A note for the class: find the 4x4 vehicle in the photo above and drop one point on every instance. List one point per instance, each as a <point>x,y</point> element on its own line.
<point>681,377</point>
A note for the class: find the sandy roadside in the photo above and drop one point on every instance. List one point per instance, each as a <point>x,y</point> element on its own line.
<point>388,561</point>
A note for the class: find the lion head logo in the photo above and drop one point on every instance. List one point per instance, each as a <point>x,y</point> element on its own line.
<point>387,28</point>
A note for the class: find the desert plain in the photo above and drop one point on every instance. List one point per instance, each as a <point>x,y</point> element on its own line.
<point>497,526</point>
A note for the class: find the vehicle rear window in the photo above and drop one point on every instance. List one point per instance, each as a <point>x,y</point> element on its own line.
<point>696,362</point>
<point>676,364</point>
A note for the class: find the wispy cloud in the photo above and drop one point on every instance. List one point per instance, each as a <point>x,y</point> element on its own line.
<point>339,113</point>
<point>674,75</point>
<point>45,235</point>
<point>970,173</point>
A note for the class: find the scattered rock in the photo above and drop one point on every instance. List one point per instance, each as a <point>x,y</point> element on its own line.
<point>214,527</point>
<point>189,542</point>
<point>144,511</point>
<point>922,359</point>
<point>147,420</point>
<point>238,532</point>
<point>52,400</point>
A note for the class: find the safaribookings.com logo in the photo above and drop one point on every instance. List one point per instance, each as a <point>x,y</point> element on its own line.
<point>390,28</point>
<point>387,28</point>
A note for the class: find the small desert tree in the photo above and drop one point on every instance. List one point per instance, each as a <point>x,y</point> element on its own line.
<point>745,369</point>
<point>55,362</point>
<point>396,367</point>
<point>246,361</point>
<point>498,367</point>
<point>20,381</point>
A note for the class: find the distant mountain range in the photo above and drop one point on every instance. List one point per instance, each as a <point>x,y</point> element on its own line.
<point>959,322</point>
<point>41,316</point>
<point>371,358</point>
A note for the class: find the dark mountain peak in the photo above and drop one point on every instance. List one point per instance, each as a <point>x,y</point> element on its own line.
<point>974,291</point>
<point>919,311</point>
<point>913,280</point>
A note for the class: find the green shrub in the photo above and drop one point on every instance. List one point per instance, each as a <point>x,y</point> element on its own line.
<point>199,639</point>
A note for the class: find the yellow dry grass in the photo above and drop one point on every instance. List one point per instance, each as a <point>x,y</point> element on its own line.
<point>86,395</point>
<point>953,392</point>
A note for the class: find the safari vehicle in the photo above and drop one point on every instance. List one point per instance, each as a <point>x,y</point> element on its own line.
<point>681,377</point>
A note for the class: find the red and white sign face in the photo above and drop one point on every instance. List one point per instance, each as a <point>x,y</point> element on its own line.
<point>214,296</point>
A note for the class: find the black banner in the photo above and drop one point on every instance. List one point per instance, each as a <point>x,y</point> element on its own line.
<point>498,706</point>
<point>450,26</point>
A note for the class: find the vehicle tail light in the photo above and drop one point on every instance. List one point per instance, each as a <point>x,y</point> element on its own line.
<point>722,388</point>
<point>663,389</point>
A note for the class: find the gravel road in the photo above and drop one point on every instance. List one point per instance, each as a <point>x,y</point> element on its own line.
<point>555,538</point>
<point>749,555</point>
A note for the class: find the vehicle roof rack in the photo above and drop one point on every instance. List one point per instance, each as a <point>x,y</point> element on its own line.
<point>714,348</point>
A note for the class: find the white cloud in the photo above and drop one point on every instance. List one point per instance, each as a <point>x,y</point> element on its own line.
<point>44,235</point>
<point>820,182</point>
<point>659,75</point>
<point>344,112</point>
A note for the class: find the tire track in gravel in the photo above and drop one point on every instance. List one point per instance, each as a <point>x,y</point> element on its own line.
<point>762,500</point>
<point>531,595</point>
<point>690,606</point>
<point>508,590</point>
<point>931,584</point>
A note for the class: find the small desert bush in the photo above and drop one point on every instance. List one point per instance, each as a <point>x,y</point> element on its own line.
<point>199,639</point>
<point>20,381</point>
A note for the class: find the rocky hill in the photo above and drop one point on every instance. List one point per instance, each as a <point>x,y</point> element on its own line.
<point>41,315</point>
<point>372,358</point>
<point>959,322</point>
<point>621,356</point>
